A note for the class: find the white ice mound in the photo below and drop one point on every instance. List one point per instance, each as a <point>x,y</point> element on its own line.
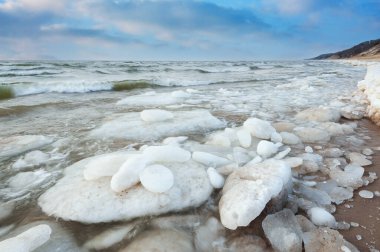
<point>130,126</point>
<point>28,240</point>
<point>248,189</point>
<point>156,115</point>
<point>259,128</point>
<point>319,115</point>
<point>157,178</point>
<point>371,88</point>
<point>15,145</point>
<point>77,199</point>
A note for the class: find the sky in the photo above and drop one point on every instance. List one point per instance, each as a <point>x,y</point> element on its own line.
<point>183,29</point>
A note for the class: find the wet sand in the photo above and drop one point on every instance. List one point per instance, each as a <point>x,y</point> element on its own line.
<point>365,212</point>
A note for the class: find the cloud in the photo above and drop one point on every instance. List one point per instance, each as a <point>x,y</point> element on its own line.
<point>33,5</point>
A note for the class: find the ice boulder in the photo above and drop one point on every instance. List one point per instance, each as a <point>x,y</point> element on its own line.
<point>259,128</point>
<point>319,115</point>
<point>130,126</point>
<point>248,189</point>
<point>28,240</point>
<point>359,159</point>
<point>155,115</point>
<point>15,145</point>
<point>266,149</point>
<point>320,217</point>
<point>289,138</point>
<point>167,153</point>
<point>216,180</point>
<point>312,135</point>
<point>93,201</point>
<point>283,231</point>
<point>244,137</point>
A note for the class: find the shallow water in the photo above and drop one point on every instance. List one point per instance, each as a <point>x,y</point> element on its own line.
<point>58,99</point>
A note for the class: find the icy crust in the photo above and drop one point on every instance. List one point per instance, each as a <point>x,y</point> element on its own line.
<point>15,145</point>
<point>371,88</point>
<point>93,201</point>
<point>131,126</point>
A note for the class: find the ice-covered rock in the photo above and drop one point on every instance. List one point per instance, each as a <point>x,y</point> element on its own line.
<point>366,194</point>
<point>320,217</point>
<point>259,128</point>
<point>312,135</point>
<point>28,240</point>
<point>248,189</point>
<point>209,159</point>
<point>77,199</point>
<point>216,180</point>
<point>155,115</point>
<point>359,159</point>
<point>323,239</point>
<point>266,149</point>
<point>15,145</point>
<point>130,126</point>
<point>244,137</point>
<point>157,178</point>
<point>283,231</point>
<point>161,240</point>
<point>109,237</point>
<point>351,176</point>
<point>319,115</point>
<point>31,159</point>
<point>105,165</point>
<point>353,112</point>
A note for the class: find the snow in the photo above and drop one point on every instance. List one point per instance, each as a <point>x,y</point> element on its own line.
<point>28,240</point>
<point>77,199</point>
<point>130,126</point>
<point>15,145</point>
<point>157,178</point>
<point>156,115</point>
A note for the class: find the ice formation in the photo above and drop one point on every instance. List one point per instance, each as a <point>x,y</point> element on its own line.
<point>371,88</point>
<point>155,115</point>
<point>130,126</point>
<point>73,195</point>
<point>157,178</point>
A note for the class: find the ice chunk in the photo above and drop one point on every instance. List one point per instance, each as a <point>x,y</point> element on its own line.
<point>284,126</point>
<point>321,217</point>
<point>359,159</point>
<point>150,100</point>
<point>283,153</point>
<point>161,240</point>
<point>283,231</point>
<point>105,165</point>
<point>305,224</point>
<point>367,151</point>
<point>332,152</point>
<point>312,135</point>
<point>28,240</point>
<point>209,159</point>
<point>309,149</point>
<point>248,189</point>
<point>27,180</point>
<point>266,149</point>
<point>276,137</point>
<point>259,128</point>
<point>186,222</point>
<point>6,209</point>
<point>366,194</point>
<point>244,137</point>
<point>289,138</point>
<point>31,159</point>
<point>293,161</point>
<point>350,177</point>
<point>129,126</point>
<point>319,115</point>
<point>15,145</point>
<point>216,180</point>
<point>174,140</point>
<point>157,178</point>
<point>156,115</point>
<point>72,196</point>
<point>128,174</point>
<point>317,196</point>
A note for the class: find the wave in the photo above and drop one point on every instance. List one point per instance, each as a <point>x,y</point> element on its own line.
<point>29,73</point>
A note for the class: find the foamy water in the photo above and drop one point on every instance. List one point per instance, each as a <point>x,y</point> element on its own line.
<point>83,108</point>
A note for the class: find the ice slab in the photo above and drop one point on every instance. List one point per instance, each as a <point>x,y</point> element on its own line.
<point>15,145</point>
<point>130,126</point>
<point>74,198</point>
